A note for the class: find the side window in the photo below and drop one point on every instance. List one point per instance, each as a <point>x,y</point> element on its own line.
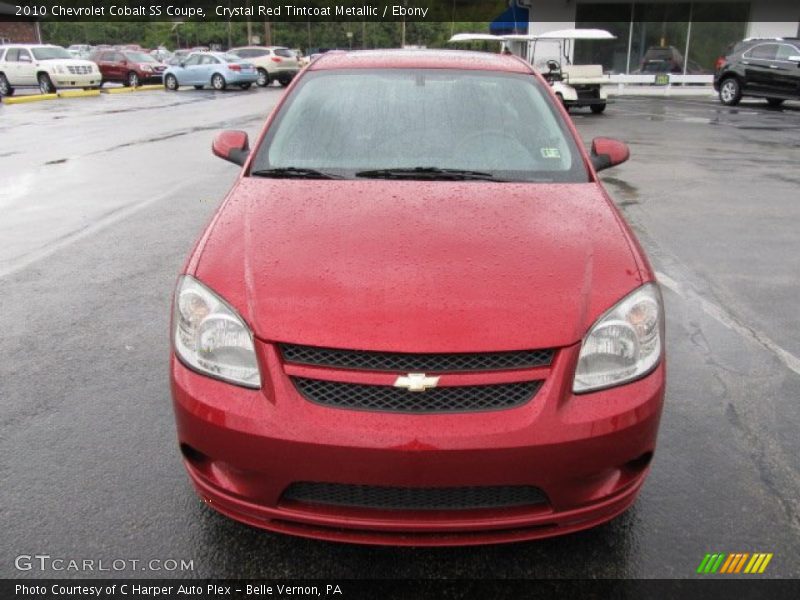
<point>785,51</point>
<point>118,57</point>
<point>193,60</point>
<point>763,52</point>
<point>12,55</point>
<point>24,56</point>
<point>209,60</point>
<point>246,53</point>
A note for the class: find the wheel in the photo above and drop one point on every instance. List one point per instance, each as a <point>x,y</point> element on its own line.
<point>263,78</point>
<point>730,92</point>
<point>284,80</point>
<point>199,87</point>
<point>132,79</point>
<point>218,82</point>
<point>597,108</point>
<point>775,102</point>
<point>45,84</point>
<point>245,86</point>
<point>5,87</point>
<point>171,83</point>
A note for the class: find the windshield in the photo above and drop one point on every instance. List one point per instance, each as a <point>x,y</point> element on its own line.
<point>50,53</point>
<point>347,123</point>
<point>139,57</point>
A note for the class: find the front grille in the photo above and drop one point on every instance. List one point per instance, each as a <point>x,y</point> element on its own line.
<point>467,398</point>
<point>415,363</point>
<point>587,93</point>
<point>403,498</point>
<point>80,70</point>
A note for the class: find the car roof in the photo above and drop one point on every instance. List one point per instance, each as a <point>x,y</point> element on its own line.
<point>420,59</point>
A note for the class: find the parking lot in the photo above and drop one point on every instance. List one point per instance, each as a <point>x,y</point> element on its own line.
<point>101,200</point>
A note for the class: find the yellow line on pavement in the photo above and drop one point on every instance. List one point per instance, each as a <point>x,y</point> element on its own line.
<point>31,98</point>
<point>150,86</point>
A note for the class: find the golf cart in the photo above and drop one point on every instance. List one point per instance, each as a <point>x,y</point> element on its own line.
<point>575,85</point>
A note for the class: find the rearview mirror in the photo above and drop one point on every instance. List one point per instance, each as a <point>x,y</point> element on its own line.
<point>231,145</point>
<point>608,152</point>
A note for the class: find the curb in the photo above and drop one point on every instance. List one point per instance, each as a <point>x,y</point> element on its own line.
<point>31,98</point>
<point>77,93</point>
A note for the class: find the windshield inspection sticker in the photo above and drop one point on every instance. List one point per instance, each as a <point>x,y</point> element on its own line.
<point>551,153</point>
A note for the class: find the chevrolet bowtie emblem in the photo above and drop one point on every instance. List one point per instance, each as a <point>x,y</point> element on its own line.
<point>416,382</point>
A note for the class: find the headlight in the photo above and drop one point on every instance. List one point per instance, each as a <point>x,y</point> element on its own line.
<point>624,344</point>
<point>146,67</point>
<point>210,337</point>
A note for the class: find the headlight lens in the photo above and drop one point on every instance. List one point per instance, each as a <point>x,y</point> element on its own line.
<point>624,344</point>
<point>210,337</point>
<point>146,67</point>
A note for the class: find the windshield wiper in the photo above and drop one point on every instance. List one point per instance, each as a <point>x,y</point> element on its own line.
<point>427,173</point>
<point>293,173</point>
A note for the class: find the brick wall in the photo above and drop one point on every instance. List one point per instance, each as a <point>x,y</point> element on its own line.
<point>20,32</point>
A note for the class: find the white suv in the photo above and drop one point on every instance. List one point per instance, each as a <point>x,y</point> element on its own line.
<point>273,63</point>
<point>44,66</point>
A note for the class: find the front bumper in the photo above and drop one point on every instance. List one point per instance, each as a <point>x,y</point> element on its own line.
<point>70,80</point>
<point>589,454</point>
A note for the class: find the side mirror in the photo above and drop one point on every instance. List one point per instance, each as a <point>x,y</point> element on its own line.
<point>607,152</point>
<point>231,145</point>
<point>182,65</point>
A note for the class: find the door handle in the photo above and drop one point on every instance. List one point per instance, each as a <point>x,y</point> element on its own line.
<point>774,67</point>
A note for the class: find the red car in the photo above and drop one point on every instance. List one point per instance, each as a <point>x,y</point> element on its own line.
<point>129,67</point>
<point>417,318</point>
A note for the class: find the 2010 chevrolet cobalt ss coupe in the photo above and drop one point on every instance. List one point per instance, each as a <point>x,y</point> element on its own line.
<point>417,318</point>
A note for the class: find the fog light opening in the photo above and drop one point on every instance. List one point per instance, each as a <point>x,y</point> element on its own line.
<point>193,455</point>
<point>640,463</point>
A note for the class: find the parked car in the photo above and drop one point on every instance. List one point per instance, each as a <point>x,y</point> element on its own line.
<point>130,67</point>
<point>274,63</point>
<point>761,68</point>
<point>80,51</point>
<point>161,54</point>
<point>217,69</point>
<point>44,66</point>
<point>434,328</point>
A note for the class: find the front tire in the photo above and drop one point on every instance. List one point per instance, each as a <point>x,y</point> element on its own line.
<point>284,80</point>
<point>45,83</point>
<point>775,102</point>
<point>5,86</point>
<point>245,86</point>
<point>263,78</point>
<point>730,91</point>
<point>598,108</point>
<point>132,80</point>
<point>171,83</point>
<point>218,82</point>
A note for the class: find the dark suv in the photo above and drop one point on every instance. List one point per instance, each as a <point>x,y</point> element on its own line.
<point>764,68</point>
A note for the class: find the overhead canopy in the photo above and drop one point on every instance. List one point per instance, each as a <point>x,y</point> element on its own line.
<point>560,34</point>
<point>512,20</point>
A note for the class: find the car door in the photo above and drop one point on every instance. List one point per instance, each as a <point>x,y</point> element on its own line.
<point>759,64</point>
<point>189,73</point>
<point>106,66</point>
<point>788,71</point>
<point>209,65</point>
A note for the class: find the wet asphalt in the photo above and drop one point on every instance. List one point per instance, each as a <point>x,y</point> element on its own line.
<point>100,201</point>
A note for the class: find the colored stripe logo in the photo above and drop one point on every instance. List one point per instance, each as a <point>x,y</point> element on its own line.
<point>735,563</point>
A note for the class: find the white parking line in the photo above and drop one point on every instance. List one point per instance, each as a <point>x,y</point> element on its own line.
<point>728,320</point>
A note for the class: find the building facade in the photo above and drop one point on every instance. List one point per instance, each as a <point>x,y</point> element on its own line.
<point>660,36</point>
<point>16,29</point>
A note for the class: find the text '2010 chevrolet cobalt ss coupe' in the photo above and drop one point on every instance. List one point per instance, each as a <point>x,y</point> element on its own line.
<point>417,318</point>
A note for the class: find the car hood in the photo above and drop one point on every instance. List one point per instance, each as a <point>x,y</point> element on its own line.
<point>418,266</point>
<point>68,62</point>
